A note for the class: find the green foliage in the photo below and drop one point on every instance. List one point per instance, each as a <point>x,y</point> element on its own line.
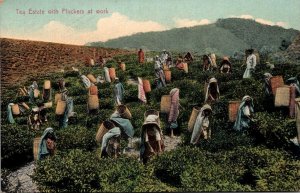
<point>16,143</point>
<point>67,172</point>
<point>76,138</point>
<point>244,169</point>
<point>78,170</point>
<point>230,161</point>
<point>152,184</point>
<point>274,131</point>
<point>267,168</point>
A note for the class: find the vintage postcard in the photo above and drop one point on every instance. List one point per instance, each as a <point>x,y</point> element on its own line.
<point>150,96</point>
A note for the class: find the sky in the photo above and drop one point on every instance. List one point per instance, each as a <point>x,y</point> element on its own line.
<point>101,20</point>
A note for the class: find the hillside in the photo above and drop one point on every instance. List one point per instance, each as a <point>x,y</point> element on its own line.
<point>262,159</point>
<point>21,58</point>
<point>293,51</point>
<point>226,36</point>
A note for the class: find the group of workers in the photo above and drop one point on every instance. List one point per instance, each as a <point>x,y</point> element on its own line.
<point>151,137</point>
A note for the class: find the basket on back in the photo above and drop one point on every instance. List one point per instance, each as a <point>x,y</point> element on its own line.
<point>36,143</point>
<point>151,112</point>
<point>91,78</point>
<point>282,96</point>
<point>104,128</point>
<point>15,109</point>
<point>193,118</point>
<point>112,73</point>
<point>165,103</point>
<point>233,108</point>
<point>36,93</point>
<point>60,107</point>
<point>93,102</point>
<point>276,81</point>
<point>167,75</point>
<point>57,97</point>
<point>147,86</point>
<point>47,84</point>
<point>124,112</point>
<point>93,90</point>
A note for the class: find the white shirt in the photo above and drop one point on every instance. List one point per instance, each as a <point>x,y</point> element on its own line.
<point>205,122</point>
<point>157,65</point>
<point>251,61</point>
<point>164,57</point>
<point>246,111</point>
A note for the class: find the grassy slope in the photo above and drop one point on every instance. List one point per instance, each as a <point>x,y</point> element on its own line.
<point>226,36</point>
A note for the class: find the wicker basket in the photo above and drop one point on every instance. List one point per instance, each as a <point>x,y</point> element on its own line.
<point>165,103</point>
<point>104,128</point>
<point>276,81</point>
<point>151,112</point>
<point>15,109</point>
<point>193,118</point>
<point>36,93</point>
<point>93,102</point>
<point>36,143</point>
<point>60,107</point>
<point>93,90</point>
<point>233,108</point>
<point>112,73</point>
<point>168,75</point>
<point>57,97</point>
<point>47,84</point>
<point>282,97</point>
<point>123,66</point>
<point>147,86</point>
<point>185,67</point>
<point>91,78</point>
<point>124,112</point>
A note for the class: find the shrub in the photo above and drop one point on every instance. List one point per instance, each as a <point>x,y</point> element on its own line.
<point>68,172</point>
<point>267,170</point>
<point>274,130</point>
<point>76,138</point>
<point>78,170</point>
<point>16,144</point>
<point>152,184</point>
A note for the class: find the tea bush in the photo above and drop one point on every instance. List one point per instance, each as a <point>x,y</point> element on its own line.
<point>244,169</point>
<point>16,144</point>
<point>76,138</point>
<point>230,161</point>
<point>78,170</point>
<point>274,130</point>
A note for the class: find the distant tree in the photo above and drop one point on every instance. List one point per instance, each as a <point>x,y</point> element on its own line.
<point>284,45</point>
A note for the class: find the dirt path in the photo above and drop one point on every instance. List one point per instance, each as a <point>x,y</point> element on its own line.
<point>20,180</point>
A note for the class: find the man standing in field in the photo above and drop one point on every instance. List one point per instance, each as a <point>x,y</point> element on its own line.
<point>141,56</point>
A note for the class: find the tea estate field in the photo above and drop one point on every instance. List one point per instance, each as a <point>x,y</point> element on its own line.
<point>262,159</point>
